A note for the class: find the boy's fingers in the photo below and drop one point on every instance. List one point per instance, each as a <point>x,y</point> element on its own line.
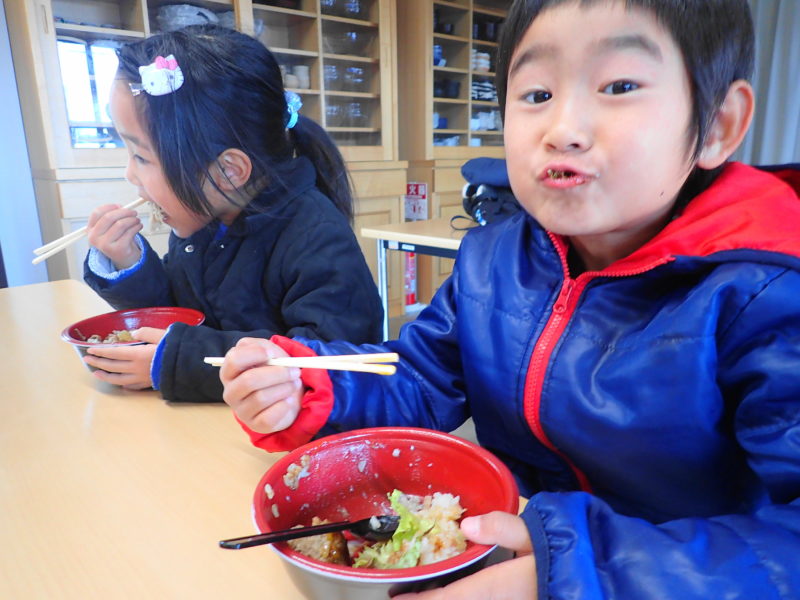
<point>247,354</point>
<point>501,528</point>
<point>277,416</point>
<point>507,580</point>
<point>257,385</point>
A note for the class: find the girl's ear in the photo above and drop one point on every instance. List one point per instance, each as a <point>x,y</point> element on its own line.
<point>233,169</point>
<point>729,126</point>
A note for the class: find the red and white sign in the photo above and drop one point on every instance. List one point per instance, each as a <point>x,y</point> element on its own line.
<point>416,201</point>
<point>415,209</point>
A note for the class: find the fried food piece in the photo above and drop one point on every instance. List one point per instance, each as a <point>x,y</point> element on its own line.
<point>328,547</point>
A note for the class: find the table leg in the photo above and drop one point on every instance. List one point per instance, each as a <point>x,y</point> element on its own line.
<point>383,286</point>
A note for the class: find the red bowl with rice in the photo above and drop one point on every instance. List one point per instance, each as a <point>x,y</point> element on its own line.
<point>349,476</point>
<point>80,334</point>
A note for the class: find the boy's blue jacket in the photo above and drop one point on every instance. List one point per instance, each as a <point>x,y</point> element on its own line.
<point>651,410</point>
<point>289,264</point>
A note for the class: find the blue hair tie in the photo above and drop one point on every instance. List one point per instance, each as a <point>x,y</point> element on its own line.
<point>293,105</point>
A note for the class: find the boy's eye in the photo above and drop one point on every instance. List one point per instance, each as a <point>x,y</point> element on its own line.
<point>139,159</point>
<point>620,87</point>
<point>537,97</point>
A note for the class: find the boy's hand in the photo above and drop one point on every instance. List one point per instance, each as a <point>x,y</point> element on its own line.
<point>266,399</point>
<point>112,230</point>
<point>127,366</point>
<point>513,579</point>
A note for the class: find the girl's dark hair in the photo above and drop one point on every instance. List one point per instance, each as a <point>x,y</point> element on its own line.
<point>232,97</point>
<point>715,37</point>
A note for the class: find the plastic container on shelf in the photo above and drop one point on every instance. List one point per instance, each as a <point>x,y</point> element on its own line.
<point>175,16</point>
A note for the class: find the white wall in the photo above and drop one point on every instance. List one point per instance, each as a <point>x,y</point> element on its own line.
<point>19,221</point>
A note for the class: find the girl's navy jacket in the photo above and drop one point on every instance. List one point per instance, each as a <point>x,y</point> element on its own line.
<point>289,264</point>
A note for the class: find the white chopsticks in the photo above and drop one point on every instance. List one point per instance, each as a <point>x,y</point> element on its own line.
<point>58,245</point>
<point>364,363</point>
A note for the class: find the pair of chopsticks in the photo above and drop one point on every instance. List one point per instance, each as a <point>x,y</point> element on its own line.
<point>365,363</point>
<point>61,243</point>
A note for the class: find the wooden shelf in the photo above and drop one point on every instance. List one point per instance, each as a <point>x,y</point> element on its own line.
<point>91,32</point>
<point>284,11</point>
<point>346,94</point>
<point>450,70</point>
<point>451,38</point>
<point>347,21</point>
<point>294,52</point>
<point>460,18</point>
<point>450,4</point>
<point>351,58</point>
<point>489,12</point>
<point>352,129</point>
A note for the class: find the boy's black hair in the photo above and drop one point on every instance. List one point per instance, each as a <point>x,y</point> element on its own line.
<point>232,97</point>
<point>715,38</point>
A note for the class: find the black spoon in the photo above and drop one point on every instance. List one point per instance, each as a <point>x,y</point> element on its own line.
<point>375,529</point>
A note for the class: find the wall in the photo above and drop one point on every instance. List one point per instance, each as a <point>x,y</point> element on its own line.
<point>19,222</point>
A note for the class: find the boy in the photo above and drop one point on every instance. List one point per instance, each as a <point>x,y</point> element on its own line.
<point>629,346</point>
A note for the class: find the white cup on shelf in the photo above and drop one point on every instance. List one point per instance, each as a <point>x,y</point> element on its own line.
<point>303,77</point>
<point>291,81</point>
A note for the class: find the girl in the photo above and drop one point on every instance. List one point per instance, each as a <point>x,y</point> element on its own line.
<point>259,203</point>
<point>630,344</point>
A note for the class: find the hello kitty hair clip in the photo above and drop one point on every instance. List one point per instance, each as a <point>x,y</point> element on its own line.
<point>163,76</point>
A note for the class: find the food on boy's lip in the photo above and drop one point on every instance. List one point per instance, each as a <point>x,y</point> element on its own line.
<point>427,533</point>
<point>115,337</point>
<point>328,547</point>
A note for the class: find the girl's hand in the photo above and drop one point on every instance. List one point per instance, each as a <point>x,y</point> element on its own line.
<point>266,399</point>
<point>513,579</point>
<point>112,230</point>
<point>127,366</point>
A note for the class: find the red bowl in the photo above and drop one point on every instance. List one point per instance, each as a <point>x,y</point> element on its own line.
<point>349,476</point>
<point>159,317</point>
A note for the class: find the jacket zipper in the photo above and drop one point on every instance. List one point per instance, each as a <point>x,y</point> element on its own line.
<point>563,308</point>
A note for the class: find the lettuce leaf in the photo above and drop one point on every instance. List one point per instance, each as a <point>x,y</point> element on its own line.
<point>404,548</point>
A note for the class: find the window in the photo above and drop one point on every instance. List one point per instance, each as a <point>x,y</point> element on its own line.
<point>87,70</point>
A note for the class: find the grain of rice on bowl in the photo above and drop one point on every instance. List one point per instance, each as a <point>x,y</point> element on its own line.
<point>350,475</point>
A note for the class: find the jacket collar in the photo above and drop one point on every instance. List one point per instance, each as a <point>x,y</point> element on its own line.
<point>744,209</point>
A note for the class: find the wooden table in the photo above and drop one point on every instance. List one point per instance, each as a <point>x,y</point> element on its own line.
<point>433,237</point>
<point>112,494</point>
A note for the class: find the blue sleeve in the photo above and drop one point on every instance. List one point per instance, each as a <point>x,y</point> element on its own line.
<point>102,266</point>
<point>144,284</point>
<point>586,550</point>
<point>428,389</point>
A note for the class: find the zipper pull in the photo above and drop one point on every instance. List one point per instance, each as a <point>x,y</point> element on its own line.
<point>561,303</point>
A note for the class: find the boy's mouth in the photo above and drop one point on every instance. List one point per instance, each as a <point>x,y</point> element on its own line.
<point>557,174</point>
<point>562,176</point>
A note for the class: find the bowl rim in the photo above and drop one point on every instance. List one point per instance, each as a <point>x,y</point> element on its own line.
<point>506,483</point>
<point>198,316</point>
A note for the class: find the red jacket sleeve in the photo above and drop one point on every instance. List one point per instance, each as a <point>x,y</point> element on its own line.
<point>315,405</point>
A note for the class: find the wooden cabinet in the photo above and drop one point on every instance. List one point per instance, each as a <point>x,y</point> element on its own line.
<point>339,55</point>
<point>448,103</point>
